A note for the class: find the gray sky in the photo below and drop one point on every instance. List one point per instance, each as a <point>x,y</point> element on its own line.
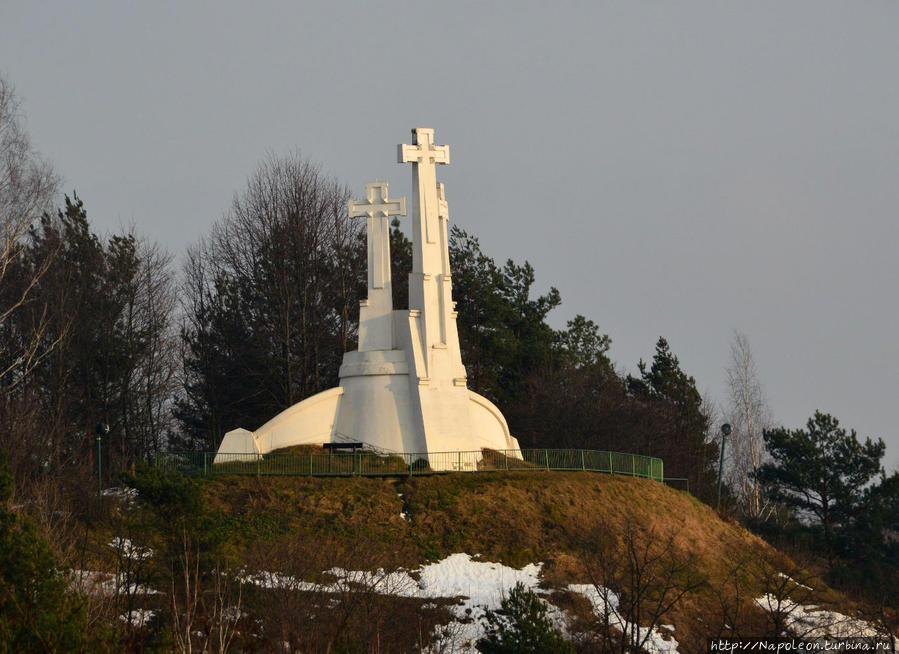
<point>675,169</point>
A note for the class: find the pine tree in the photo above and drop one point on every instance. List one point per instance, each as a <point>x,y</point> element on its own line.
<point>521,626</point>
<point>823,472</point>
<point>683,444</point>
<point>37,613</point>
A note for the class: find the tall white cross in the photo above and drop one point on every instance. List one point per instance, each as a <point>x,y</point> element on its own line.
<point>378,208</point>
<point>443,213</point>
<point>424,156</point>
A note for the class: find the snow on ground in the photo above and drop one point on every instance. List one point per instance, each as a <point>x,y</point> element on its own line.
<point>129,550</point>
<point>480,585</point>
<point>603,599</point>
<point>106,584</point>
<point>402,513</point>
<point>124,494</point>
<point>808,621</point>
<point>483,583</point>
<point>138,617</point>
<point>789,578</point>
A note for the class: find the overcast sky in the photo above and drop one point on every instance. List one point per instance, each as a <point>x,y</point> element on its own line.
<point>674,169</point>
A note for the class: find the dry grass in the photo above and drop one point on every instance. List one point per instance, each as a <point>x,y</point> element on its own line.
<point>515,518</point>
<point>312,524</point>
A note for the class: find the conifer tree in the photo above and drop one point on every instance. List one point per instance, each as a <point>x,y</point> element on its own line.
<point>521,626</point>
<point>37,613</point>
<point>823,472</point>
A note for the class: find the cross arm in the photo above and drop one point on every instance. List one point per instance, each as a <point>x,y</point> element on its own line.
<point>417,153</point>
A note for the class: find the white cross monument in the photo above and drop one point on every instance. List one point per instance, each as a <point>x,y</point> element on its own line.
<point>375,312</point>
<point>404,389</point>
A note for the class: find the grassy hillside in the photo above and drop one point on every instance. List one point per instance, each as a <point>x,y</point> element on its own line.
<point>579,525</point>
<point>669,559</point>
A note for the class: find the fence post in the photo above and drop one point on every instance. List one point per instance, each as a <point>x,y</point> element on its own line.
<point>99,466</point>
<point>204,463</point>
<point>258,463</point>
<point>546,457</point>
<point>610,464</point>
<point>583,463</point>
<point>633,465</point>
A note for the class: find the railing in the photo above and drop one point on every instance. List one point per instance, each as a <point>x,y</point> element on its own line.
<point>370,464</point>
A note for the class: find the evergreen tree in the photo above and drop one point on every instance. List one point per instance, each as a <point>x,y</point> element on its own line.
<point>106,343</point>
<point>37,613</point>
<point>502,330</point>
<point>400,264</point>
<point>682,440</point>
<point>521,626</point>
<point>826,474</point>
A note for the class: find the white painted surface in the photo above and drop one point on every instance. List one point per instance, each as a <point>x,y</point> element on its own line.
<point>404,389</point>
<point>375,320</point>
<point>308,422</point>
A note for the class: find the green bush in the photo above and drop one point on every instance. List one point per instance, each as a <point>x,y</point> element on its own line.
<point>37,612</point>
<point>521,626</point>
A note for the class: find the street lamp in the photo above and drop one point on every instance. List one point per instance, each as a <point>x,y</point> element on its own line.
<point>101,430</point>
<point>725,432</point>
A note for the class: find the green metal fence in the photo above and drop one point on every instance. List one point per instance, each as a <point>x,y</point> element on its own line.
<point>370,464</point>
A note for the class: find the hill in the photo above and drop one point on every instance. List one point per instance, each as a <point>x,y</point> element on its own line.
<point>403,564</point>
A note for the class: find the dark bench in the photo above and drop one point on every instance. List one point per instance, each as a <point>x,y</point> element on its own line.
<point>332,447</point>
<point>343,446</point>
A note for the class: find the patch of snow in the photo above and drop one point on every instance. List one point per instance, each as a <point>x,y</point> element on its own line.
<point>480,585</point>
<point>125,494</point>
<point>483,583</point>
<point>138,617</point>
<point>808,621</point>
<point>105,584</point>
<point>399,583</point>
<point>129,550</point>
<point>277,581</point>
<point>232,614</point>
<point>603,600</point>
<point>789,578</point>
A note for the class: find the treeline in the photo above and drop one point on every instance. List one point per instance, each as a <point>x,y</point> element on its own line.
<point>94,341</point>
<point>103,330</point>
<point>266,305</point>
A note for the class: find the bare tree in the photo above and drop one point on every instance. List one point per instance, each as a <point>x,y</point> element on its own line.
<point>149,328</point>
<point>269,299</point>
<point>639,576</point>
<point>28,185</point>
<point>749,416</point>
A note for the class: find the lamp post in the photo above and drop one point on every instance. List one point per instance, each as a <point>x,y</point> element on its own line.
<point>725,432</point>
<point>101,430</point>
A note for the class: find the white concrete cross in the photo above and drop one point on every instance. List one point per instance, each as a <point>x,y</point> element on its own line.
<point>443,213</point>
<point>425,155</point>
<point>378,208</point>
